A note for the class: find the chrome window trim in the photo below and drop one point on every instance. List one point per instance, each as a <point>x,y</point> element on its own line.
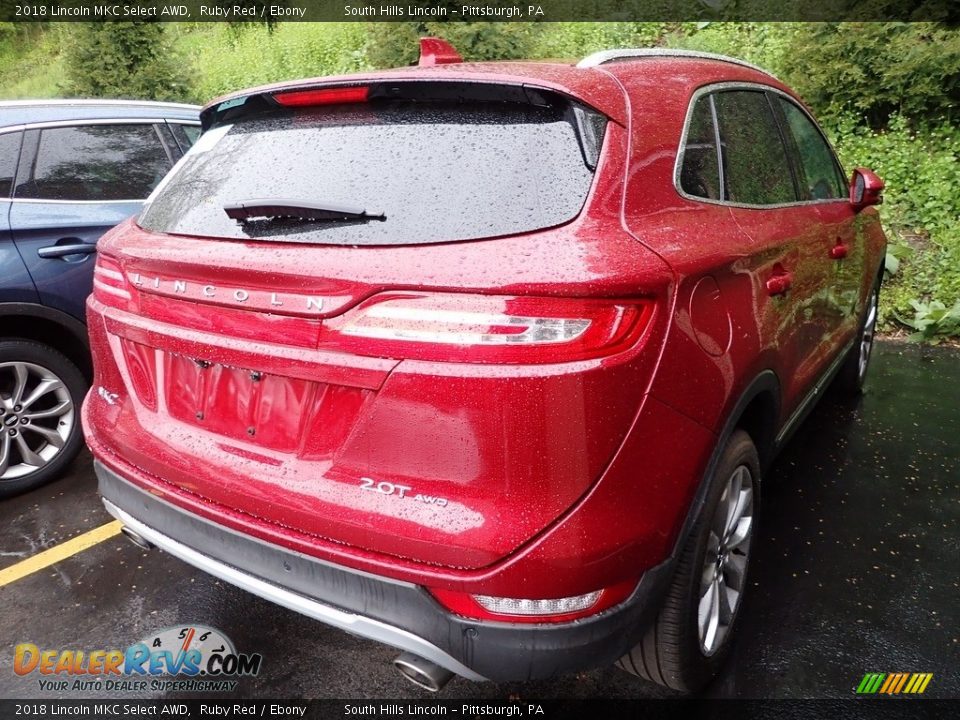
<point>53,124</point>
<point>92,121</point>
<point>97,103</point>
<point>739,85</point>
<point>73,202</point>
<point>606,56</point>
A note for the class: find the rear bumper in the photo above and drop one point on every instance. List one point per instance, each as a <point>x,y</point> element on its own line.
<point>392,612</point>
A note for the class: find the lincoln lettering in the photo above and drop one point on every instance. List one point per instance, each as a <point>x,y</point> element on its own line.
<point>236,295</point>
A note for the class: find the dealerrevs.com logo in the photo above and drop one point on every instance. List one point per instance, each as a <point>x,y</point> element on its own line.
<point>192,658</point>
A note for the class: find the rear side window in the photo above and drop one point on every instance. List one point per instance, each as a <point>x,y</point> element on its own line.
<point>9,154</point>
<point>700,171</point>
<point>437,171</point>
<point>186,135</point>
<point>820,176</point>
<point>96,162</point>
<point>755,165</point>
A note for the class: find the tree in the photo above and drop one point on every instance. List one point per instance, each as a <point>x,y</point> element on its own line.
<point>122,59</point>
<point>877,70</point>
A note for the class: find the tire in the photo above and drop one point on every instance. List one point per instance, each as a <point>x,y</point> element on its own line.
<point>40,396</point>
<point>678,651</point>
<point>853,373</point>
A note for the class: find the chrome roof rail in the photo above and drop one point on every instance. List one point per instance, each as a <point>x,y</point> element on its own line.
<point>606,56</point>
<point>98,102</point>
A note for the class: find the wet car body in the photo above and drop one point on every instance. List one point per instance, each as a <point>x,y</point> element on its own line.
<point>265,422</point>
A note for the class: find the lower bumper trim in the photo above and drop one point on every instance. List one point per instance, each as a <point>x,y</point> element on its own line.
<point>350,622</point>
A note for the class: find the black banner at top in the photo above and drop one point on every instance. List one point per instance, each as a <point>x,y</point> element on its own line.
<point>476,10</point>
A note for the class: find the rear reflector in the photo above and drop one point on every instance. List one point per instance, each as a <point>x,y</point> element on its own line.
<point>326,96</point>
<point>533,610</point>
<point>523,606</point>
<point>485,328</point>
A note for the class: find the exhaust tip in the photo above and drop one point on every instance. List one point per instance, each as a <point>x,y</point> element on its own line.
<point>422,673</point>
<point>136,539</point>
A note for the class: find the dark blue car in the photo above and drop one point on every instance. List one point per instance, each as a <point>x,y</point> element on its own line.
<point>69,171</point>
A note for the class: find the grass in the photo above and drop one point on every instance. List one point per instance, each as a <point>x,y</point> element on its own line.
<point>31,64</point>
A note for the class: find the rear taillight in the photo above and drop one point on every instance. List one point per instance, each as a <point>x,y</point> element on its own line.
<point>326,96</point>
<point>533,610</point>
<point>481,328</point>
<point>109,285</point>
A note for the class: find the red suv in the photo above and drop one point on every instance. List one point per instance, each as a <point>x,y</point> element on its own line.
<point>484,361</point>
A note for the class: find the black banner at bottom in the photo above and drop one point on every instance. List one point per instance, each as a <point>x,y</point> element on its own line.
<point>554,709</point>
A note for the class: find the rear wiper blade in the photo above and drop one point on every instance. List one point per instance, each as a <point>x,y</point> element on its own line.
<point>283,209</point>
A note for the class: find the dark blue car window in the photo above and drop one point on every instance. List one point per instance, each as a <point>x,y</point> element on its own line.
<point>96,162</point>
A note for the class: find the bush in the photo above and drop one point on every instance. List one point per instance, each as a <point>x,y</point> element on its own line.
<point>921,210</point>
<point>577,39</point>
<point>122,59</point>
<point>233,57</point>
<point>877,70</point>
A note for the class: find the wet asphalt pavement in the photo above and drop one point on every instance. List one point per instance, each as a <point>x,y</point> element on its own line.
<point>856,569</point>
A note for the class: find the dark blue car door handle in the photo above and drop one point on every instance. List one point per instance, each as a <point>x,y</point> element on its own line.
<point>58,251</point>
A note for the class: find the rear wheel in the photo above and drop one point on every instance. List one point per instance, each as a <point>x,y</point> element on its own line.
<point>853,372</point>
<point>40,396</point>
<point>686,645</point>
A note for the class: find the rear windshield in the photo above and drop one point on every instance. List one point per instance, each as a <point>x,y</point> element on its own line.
<point>436,171</point>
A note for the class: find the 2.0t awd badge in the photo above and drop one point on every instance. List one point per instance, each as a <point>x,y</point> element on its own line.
<point>403,491</point>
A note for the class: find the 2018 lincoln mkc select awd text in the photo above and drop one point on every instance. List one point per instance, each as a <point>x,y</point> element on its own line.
<point>484,361</point>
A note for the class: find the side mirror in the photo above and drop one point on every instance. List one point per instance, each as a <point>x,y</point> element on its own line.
<point>866,188</point>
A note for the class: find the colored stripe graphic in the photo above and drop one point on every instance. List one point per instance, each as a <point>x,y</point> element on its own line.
<point>894,683</point>
<point>889,682</point>
<point>870,683</point>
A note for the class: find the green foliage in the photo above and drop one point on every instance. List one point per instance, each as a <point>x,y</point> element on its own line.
<point>578,39</point>
<point>31,61</point>
<point>877,70</point>
<point>396,44</point>
<point>122,59</point>
<point>933,321</point>
<point>897,251</point>
<point>920,168</point>
<point>764,44</point>
<point>921,210</point>
<point>233,58</point>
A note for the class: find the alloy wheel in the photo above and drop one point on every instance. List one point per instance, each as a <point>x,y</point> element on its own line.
<point>866,337</point>
<point>37,416</point>
<point>723,577</point>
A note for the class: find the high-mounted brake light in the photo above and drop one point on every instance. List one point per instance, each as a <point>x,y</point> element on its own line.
<point>325,96</point>
<point>483,328</point>
<point>109,285</point>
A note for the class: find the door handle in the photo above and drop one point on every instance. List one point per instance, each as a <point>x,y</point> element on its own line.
<point>58,251</point>
<point>779,283</point>
<point>838,251</point>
